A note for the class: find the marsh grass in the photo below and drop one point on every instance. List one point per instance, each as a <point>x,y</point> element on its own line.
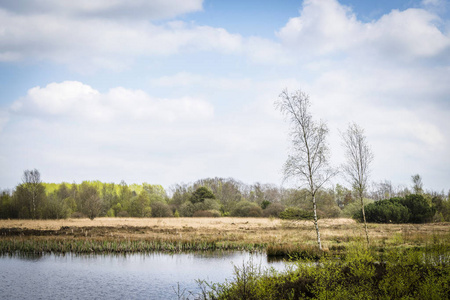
<point>279,238</point>
<point>361,274</point>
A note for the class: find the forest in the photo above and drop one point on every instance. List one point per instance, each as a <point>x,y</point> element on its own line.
<point>217,197</point>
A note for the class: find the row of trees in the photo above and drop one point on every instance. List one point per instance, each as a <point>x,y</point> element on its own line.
<point>211,197</point>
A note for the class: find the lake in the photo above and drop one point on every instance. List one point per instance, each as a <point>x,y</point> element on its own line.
<point>134,276</point>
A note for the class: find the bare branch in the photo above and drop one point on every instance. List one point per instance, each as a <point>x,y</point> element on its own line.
<point>308,162</point>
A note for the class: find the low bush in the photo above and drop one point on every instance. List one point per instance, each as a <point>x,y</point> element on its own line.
<point>273,210</point>
<point>410,209</point>
<point>246,209</point>
<point>294,213</point>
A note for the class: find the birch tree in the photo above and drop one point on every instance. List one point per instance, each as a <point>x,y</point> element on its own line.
<point>30,194</point>
<point>359,157</point>
<point>308,161</point>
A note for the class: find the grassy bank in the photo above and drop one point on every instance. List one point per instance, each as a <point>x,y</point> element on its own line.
<point>277,237</point>
<point>360,274</point>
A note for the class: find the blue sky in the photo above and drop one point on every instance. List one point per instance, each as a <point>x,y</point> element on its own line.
<point>173,91</point>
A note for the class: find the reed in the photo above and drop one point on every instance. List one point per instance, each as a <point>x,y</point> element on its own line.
<point>14,245</point>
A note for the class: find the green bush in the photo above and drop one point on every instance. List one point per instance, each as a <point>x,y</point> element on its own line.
<point>246,209</point>
<point>295,213</point>
<point>386,211</point>
<point>355,207</point>
<point>273,210</point>
<point>360,274</point>
<point>161,210</point>
<point>411,208</point>
<point>420,209</point>
<point>201,194</point>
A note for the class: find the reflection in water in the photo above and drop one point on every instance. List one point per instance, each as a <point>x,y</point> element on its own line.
<point>132,276</point>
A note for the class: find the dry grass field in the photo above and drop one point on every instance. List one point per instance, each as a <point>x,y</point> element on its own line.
<point>261,231</point>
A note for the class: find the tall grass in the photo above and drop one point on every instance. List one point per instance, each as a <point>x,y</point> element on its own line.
<point>361,274</point>
<point>12,246</point>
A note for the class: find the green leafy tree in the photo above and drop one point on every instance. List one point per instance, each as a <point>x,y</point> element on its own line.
<point>161,210</point>
<point>139,205</point>
<point>417,184</point>
<point>91,203</point>
<point>200,194</point>
<point>30,195</point>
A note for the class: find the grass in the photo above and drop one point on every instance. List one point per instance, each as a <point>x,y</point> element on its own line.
<point>277,237</point>
<point>399,273</point>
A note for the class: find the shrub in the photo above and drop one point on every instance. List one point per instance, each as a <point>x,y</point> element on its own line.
<point>420,209</point>
<point>187,209</point>
<point>161,210</point>
<point>385,211</point>
<point>122,214</point>
<point>355,207</point>
<point>295,213</point>
<point>273,210</point>
<point>411,208</point>
<point>246,209</point>
<point>201,194</point>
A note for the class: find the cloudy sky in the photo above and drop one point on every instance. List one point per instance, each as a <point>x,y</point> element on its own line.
<point>171,91</point>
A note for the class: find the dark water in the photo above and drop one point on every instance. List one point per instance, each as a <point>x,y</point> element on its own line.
<point>136,276</point>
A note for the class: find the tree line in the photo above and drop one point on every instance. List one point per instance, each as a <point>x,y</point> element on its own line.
<point>210,197</point>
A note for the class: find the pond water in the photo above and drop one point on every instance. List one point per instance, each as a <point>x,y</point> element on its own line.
<point>134,276</point>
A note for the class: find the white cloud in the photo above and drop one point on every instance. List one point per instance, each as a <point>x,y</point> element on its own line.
<point>186,79</point>
<point>326,27</point>
<point>91,42</point>
<point>81,102</point>
<point>70,131</point>
<point>155,9</point>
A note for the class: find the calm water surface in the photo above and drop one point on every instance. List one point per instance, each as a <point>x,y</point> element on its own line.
<point>135,276</point>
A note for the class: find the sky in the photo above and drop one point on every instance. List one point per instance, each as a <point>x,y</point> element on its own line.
<point>172,91</point>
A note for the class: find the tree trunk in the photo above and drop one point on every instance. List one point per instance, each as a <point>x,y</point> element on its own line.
<point>364,218</point>
<point>315,221</point>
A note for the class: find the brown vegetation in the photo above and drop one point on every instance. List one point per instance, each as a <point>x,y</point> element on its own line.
<point>337,233</point>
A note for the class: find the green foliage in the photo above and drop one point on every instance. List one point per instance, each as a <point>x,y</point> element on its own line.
<point>138,205</point>
<point>201,194</point>
<point>411,208</point>
<point>420,209</point>
<point>273,210</point>
<point>265,204</point>
<point>398,274</point>
<point>187,209</point>
<point>295,213</point>
<point>246,209</point>
<point>7,207</point>
<point>55,208</point>
<point>355,207</point>
<point>90,201</point>
<point>160,210</point>
<point>386,211</point>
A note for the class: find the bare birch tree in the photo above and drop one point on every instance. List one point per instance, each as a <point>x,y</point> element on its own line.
<point>308,161</point>
<point>359,156</point>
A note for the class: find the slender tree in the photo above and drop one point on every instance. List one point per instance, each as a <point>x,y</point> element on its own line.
<point>417,184</point>
<point>359,157</point>
<point>308,161</point>
<point>30,194</point>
